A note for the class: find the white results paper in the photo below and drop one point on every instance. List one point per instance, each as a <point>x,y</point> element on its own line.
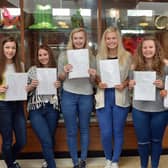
<point>109,72</point>
<point>46,78</point>
<point>79,59</point>
<point>144,88</point>
<point>16,83</point>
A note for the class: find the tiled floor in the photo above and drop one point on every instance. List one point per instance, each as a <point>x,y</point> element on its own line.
<point>125,162</point>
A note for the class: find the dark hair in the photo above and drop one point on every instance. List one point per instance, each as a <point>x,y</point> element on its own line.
<point>16,58</point>
<point>51,62</point>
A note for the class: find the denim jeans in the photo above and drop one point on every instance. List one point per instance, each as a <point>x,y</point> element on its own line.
<point>76,109</point>
<point>44,123</point>
<point>111,120</point>
<point>12,118</point>
<point>149,129</point>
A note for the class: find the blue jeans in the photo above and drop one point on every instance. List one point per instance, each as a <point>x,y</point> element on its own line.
<point>149,129</point>
<point>76,109</point>
<point>12,118</point>
<point>44,123</point>
<point>111,120</point>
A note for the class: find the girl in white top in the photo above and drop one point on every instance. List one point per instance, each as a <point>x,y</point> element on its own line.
<point>12,116</point>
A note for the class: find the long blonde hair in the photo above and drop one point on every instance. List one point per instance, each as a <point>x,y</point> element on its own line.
<point>70,42</point>
<point>103,52</point>
<point>157,62</point>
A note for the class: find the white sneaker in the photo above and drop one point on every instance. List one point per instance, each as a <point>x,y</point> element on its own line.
<point>108,164</point>
<point>114,165</point>
<point>44,164</point>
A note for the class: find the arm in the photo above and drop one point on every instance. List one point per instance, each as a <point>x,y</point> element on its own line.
<point>159,83</point>
<point>63,67</point>
<point>66,69</point>
<point>92,73</point>
<point>132,83</point>
<point>57,84</point>
<point>163,93</point>
<point>125,83</point>
<point>3,88</point>
<point>32,82</point>
<point>30,87</point>
<point>122,86</point>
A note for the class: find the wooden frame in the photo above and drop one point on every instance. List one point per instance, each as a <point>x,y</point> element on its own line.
<point>95,144</point>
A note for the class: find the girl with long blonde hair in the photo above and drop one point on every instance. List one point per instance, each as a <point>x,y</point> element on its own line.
<point>77,98</point>
<point>112,104</point>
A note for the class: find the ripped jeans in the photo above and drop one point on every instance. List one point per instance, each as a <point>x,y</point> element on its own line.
<point>149,129</point>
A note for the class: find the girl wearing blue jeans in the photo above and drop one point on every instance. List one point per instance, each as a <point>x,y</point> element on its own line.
<point>150,117</point>
<point>12,116</point>
<point>112,104</point>
<point>43,109</point>
<point>76,99</point>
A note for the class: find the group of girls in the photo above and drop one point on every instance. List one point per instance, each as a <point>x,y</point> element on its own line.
<point>77,99</point>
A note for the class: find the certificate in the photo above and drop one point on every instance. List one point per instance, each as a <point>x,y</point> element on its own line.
<point>16,83</point>
<point>109,72</point>
<point>144,88</point>
<point>79,59</point>
<point>46,77</point>
<point>166,97</point>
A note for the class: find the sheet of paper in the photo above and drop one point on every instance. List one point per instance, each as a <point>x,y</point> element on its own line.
<point>166,97</point>
<point>46,78</point>
<point>16,86</point>
<point>109,72</point>
<point>144,88</point>
<point>79,59</point>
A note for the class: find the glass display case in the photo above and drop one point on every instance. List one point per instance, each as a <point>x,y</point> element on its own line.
<point>136,20</point>
<point>52,21</point>
<point>43,21</point>
<point>34,22</point>
<point>10,19</point>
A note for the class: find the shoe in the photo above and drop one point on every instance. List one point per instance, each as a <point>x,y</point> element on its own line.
<point>108,164</point>
<point>44,165</point>
<point>114,165</point>
<point>16,165</point>
<point>76,166</point>
<point>82,164</point>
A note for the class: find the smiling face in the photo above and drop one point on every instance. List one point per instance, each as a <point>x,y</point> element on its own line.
<point>148,49</point>
<point>43,57</point>
<point>111,40</point>
<point>9,50</point>
<point>79,40</point>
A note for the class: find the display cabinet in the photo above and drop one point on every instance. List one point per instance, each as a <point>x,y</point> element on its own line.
<point>52,21</point>
<point>136,20</point>
<point>34,22</point>
<point>10,19</point>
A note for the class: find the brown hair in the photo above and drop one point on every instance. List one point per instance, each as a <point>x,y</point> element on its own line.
<point>157,62</point>
<point>16,58</point>
<point>51,62</point>
<point>164,42</point>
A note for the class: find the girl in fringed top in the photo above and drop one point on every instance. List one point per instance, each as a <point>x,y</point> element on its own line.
<point>43,109</point>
